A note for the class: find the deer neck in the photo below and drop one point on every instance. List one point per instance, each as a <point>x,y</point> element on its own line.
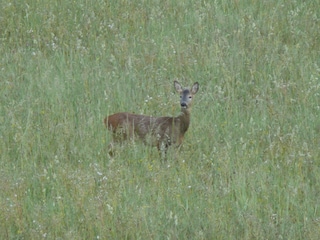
<point>184,119</point>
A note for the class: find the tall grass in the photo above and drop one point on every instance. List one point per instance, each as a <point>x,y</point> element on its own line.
<point>250,164</point>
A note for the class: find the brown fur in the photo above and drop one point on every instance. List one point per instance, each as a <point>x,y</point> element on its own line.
<point>155,131</point>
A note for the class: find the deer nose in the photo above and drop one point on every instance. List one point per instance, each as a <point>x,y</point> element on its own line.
<point>184,105</point>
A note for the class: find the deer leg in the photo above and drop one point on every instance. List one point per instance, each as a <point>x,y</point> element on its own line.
<point>163,149</point>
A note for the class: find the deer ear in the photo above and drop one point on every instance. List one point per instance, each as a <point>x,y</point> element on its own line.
<point>177,86</point>
<point>195,88</point>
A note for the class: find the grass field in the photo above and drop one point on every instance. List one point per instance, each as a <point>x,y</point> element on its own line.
<point>250,163</point>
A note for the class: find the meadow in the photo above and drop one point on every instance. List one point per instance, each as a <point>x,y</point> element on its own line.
<point>249,167</point>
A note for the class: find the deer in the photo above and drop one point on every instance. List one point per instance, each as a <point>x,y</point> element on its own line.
<point>160,132</point>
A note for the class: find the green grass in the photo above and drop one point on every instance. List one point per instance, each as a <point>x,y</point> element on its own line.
<point>250,164</point>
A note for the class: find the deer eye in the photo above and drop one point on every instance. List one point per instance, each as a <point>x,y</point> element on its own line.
<point>190,97</point>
